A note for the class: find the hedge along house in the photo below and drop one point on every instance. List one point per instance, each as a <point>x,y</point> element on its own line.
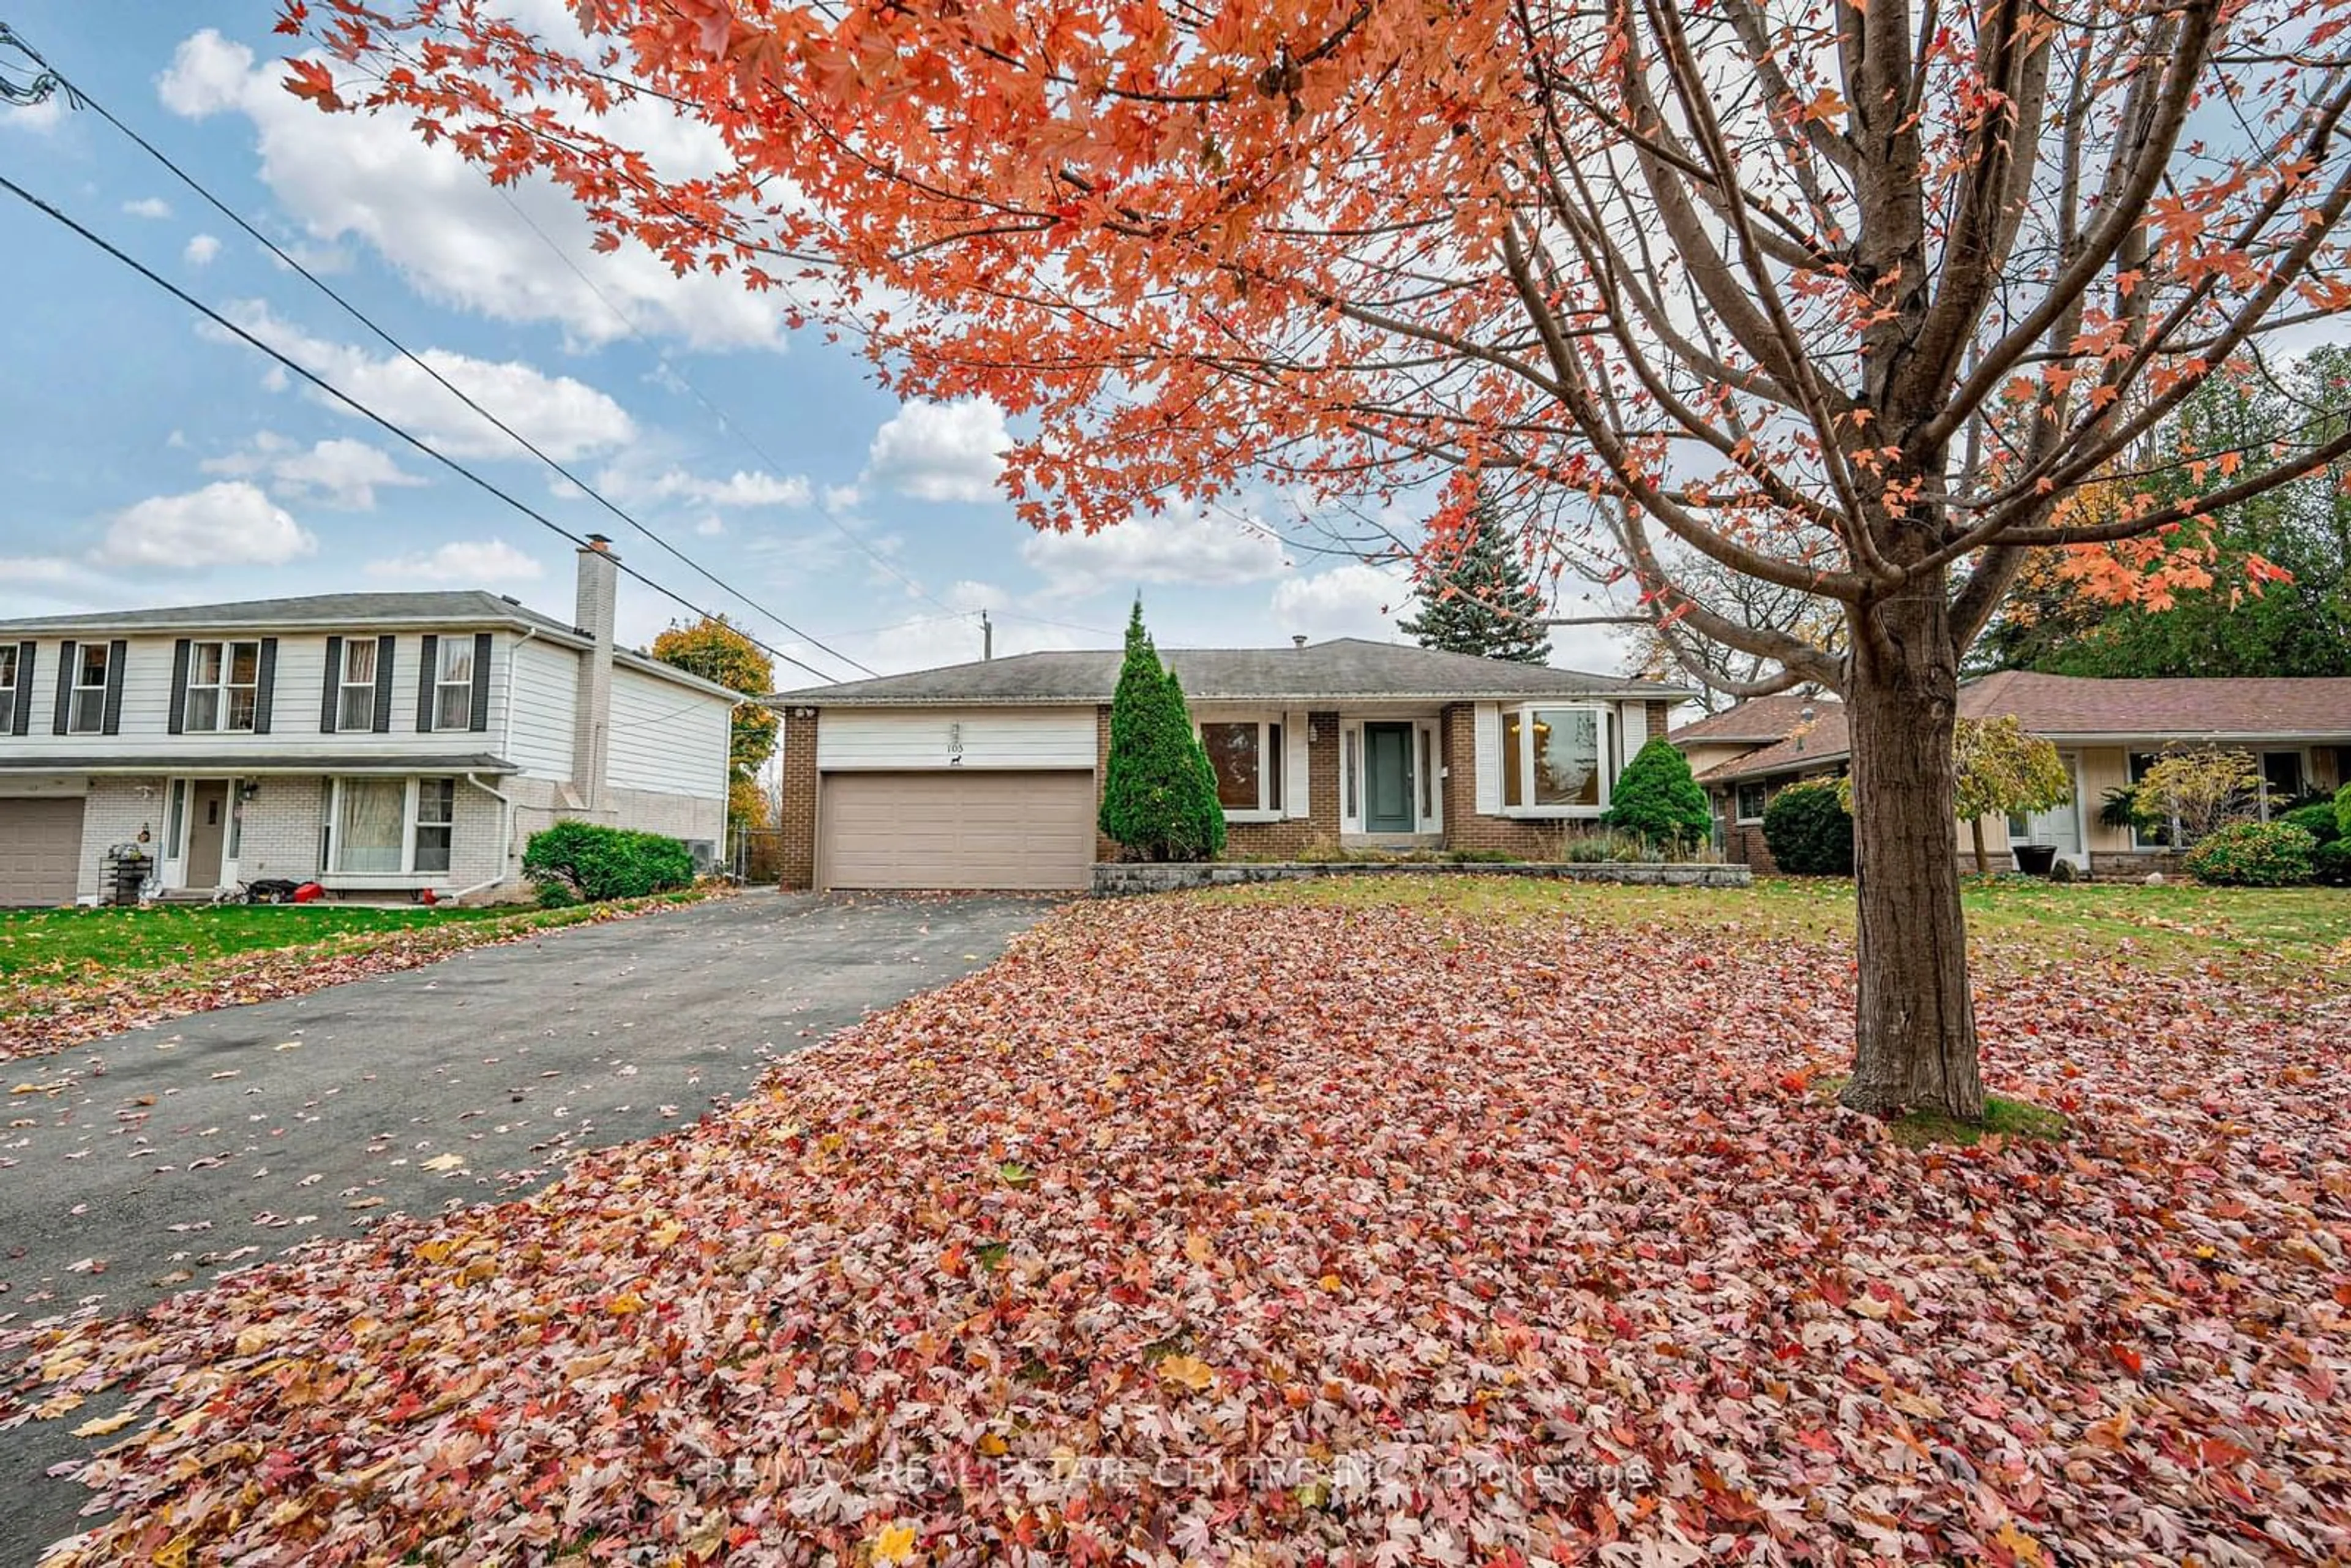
<point>2108,733</point>
<point>380,743</point>
<point>988,775</point>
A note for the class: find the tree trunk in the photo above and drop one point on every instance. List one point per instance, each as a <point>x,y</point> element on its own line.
<point>1983,866</point>
<point>1915,1032</point>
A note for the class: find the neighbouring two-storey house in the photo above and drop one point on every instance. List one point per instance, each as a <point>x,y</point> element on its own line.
<point>382,744</point>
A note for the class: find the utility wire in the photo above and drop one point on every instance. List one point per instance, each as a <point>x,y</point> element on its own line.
<point>12,39</point>
<point>419,442</point>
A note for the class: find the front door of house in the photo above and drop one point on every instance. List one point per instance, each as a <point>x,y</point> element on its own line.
<point>207,831</point>
<point>1387,779</point>
<point>2059,827</point>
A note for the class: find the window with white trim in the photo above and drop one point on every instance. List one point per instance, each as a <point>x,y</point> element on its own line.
<point>436,821</point>
<point>9,695</point>
<point>393,827</point>
<point>355,705</point>
<point>1554,760</point>
<point>453,685</point>
<point>224,687</point>
<point>1246,757</point>
<point>86,711</point>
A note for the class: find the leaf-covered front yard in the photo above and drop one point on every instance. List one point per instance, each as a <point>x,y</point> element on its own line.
<point>1366,1229</point>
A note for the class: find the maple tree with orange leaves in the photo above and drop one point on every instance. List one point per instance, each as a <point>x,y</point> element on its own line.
<point>1846,298</point>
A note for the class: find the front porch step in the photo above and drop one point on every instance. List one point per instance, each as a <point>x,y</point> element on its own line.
<point>188,895</point>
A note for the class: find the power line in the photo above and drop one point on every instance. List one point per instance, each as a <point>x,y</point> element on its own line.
<point>361,409</point>
<point>9,38</point>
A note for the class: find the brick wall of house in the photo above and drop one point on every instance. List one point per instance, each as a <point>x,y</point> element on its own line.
<point>799,816</point>
<point>1293,836</point>
<point>1464,827</point>
<point>1660,720</point>
<point>1744,846</point>
<point>1105,847</point>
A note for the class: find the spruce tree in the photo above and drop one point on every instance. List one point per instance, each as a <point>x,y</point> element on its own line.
<point>1493,610</point>
<point>1658,797</point>
<point>1159,793</point>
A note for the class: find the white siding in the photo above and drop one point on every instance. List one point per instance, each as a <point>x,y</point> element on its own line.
<point>1635,721</point>
<point>668,739</point>
<point>1489,748</point>
<point>144,728</point>
<point>545,695</point>
<point>927,738</point>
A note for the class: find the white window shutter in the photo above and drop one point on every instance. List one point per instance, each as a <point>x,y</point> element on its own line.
<point>1637,727</point>
<point>1295,781</point>
<point>1489,759</point>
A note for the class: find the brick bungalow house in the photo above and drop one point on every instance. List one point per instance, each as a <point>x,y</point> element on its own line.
<point>2108,732</point>
<point>988,775</point>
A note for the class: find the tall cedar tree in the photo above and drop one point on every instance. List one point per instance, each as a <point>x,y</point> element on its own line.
<point>1658,797</point>
<point>716,650</point>
<point>1159,793</point>
<point>1486,604</point>
<point>1855,300</point>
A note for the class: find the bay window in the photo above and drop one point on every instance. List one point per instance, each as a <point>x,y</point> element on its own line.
<point>1246,757</point>
<point>393,827</point>
<point>224,687</point>
<point>1554,760</point>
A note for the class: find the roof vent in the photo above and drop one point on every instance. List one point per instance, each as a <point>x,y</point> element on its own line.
<point>510,598</point>
<point>1298,638</point>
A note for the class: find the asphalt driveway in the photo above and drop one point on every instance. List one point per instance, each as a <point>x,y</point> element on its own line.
<point>154,1160</point>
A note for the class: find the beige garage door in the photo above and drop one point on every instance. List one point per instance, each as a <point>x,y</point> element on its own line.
<point>40,850</point>
<point>957,829</point>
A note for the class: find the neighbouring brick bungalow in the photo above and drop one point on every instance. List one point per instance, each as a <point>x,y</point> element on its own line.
<point>988,775</point>
<point>2109,732</point>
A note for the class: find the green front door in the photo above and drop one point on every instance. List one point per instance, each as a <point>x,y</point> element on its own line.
<point>1387,779</point>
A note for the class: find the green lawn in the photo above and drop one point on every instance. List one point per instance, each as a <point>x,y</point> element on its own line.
<point>2309,927</point>
<point>73,945</point>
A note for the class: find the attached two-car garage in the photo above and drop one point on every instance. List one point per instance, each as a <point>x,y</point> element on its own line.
<point>40,849</point>
<point>957,828</point>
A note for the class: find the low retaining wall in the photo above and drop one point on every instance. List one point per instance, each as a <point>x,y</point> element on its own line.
<point>1121,879</point>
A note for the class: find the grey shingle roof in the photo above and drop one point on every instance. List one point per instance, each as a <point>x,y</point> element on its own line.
<point>1345,668</point>
<point>466,607</point>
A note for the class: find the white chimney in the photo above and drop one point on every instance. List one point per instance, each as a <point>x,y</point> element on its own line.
<point>1298,638</point>
<point>592,741</point>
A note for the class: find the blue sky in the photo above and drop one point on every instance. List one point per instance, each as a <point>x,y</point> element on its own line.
<point>148,460</point>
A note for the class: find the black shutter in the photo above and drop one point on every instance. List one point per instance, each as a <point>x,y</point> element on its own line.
<point>177,723</point>
<point>25,652</point>
<point>384,647</point>
<point>264,685</point>
<point>428,670</point>
<point>117,653</point>
<point>65,681</point>
<point>334,685</point>
<point>480,707</point>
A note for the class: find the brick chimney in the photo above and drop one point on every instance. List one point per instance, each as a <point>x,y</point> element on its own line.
<point>591,741</point>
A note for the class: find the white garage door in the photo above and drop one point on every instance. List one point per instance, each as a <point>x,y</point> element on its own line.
<point>40,850</point>
<point>974,830</point>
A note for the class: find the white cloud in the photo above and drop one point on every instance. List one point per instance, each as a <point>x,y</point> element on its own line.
<point>440,223</point>
<point>1354,600</point>
<point>148,207</point>
<point>1214,549</point>
<point>201,250</point>
<point>565,418</point>
<point>463,560</point>
<point>21,568</point>
<point>231,523</point>
<point>40,119</point>
<point>739,489</point>
<point>711,527</point>
<point>341,473</point>
<point>940,451</point>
